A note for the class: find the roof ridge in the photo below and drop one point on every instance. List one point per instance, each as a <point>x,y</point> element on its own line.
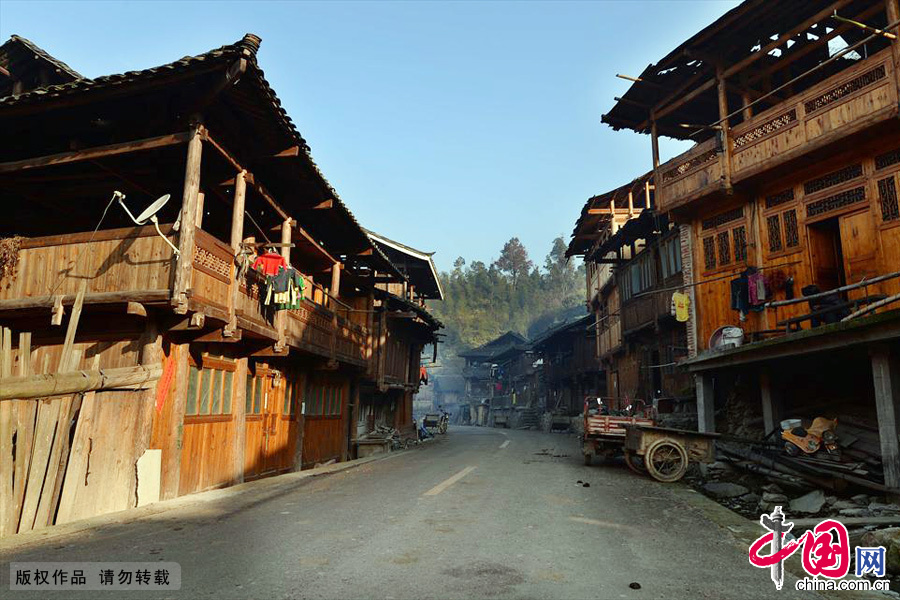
<point>46,55</point>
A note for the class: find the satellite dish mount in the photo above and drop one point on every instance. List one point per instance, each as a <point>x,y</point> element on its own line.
<point>149,214</point>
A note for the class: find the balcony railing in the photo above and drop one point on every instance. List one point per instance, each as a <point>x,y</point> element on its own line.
<point>134,264</point>
<point>120,265</point>
<point>854,99</point>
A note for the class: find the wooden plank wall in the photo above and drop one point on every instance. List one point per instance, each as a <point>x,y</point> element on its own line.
<point>51,482</point>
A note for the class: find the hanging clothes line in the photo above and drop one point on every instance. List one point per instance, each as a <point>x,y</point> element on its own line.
<point>730,275</point>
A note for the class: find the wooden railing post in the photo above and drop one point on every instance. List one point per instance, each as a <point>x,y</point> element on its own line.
<point>184,265</point>
<point>237,234</point>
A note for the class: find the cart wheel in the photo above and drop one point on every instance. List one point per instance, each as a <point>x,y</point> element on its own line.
<point>791,449</point>
<point>635,462</point>
<point>666,460</point>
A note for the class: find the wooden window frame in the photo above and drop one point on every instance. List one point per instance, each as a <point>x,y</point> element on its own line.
<point>714,233</point>
<point>213,369</point>
<point>797,205</point>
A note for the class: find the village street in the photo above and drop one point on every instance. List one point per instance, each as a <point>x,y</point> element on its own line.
<point>515,524</point>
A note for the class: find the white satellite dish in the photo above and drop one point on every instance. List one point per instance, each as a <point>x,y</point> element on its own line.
<point>149,213</point>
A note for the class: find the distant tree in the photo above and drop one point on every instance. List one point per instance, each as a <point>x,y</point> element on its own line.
<point>514,260</point>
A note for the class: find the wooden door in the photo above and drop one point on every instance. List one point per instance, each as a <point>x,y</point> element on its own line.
<point>824,243</point>
<point>324,428</point>
<point>859,244</point>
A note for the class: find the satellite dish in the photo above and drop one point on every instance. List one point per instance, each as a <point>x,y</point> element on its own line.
<point>149,213</point>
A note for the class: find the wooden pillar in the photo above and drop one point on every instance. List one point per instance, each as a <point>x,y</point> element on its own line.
<point>630,204</point>
<point>747,110</point>
<point>151,354</point>
<point>286,239</point>
<point>336,280</point>
<point>184,265</point>
<point>886,377</point>
<point>237,210</point>
<point>726,130</point>
<point>237,234</point>
<point>893,14</point>
<point>770,407</point>
<point>238,409</point>
<point>201,197</point>
<point>286,253</point>
<point>654,142</point>
<point>706,403</point>
<point>173,436</point>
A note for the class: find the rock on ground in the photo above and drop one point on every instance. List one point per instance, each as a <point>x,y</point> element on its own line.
<point>724,489</point>
<point>810,503</point>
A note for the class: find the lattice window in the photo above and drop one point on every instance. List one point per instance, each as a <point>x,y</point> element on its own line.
<point>739,235</point>
<point>845,89</point>
<point>709,253</point>
<point>887,195</point>
<point>883,161</point>
<point>769,127</point>
<point>690,165</point>
<point>773,225</point>
<point>836,201</point>
<point>721,219</point>
<point>832,179</point>
<point>779,198</point>
<point>205,258</point>
<point>791,230</point>
<point>724,244</point>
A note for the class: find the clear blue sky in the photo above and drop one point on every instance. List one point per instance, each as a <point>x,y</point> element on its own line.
<point>450,126</point>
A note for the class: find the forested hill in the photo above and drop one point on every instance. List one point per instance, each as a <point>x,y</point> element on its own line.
<point>482,301</point>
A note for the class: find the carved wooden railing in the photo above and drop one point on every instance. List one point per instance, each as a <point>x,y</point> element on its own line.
<point>854,99</point>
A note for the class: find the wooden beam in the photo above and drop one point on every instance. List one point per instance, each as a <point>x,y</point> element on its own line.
<point>327,204</point>
<point>144,297</point>
<point>71,382</point>
<point>94,153</point>
<point>288,152</point>
<point>248,176</point>
<point>784,38</point>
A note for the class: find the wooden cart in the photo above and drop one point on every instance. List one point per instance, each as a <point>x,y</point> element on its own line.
<point>667,452</point>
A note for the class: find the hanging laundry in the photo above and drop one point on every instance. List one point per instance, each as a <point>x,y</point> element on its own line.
<point>682,303</point>
<point>756,285</point>
<point>269,263</point>
<point>740,296</point>
<point>284,290</point>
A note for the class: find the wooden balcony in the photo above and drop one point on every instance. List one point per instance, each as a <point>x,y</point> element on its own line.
<point>851,101</point>
<point>321,325</point>
<point>647,309</point>
<point>120,265</point>
<point>136,265</point>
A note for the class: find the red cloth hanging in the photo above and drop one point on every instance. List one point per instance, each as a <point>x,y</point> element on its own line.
<point>269,263</point>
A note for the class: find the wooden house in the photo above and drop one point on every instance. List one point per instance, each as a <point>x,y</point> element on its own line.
<point>598,239</point>
<point>146,361</point>
<point>483,381</point>
<point>402,327</point>
<point>787,207</point>
<point>570,366</point>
